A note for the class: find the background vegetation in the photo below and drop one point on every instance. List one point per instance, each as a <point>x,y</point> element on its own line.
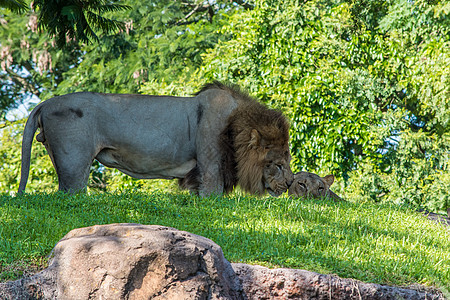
<point>366,85</point>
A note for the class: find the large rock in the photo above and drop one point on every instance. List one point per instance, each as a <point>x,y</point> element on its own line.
<point>132,261</point>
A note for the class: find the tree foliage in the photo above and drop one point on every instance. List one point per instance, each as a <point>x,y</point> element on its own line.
<point>162,40</point>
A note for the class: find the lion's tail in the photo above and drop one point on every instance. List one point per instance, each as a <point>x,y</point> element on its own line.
<point>28,133</point>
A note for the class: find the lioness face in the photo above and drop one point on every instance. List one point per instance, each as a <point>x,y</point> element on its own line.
<point>311,185</point>
<point>277,174</point>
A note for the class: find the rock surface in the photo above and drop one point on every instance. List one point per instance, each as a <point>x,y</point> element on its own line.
<point>261,283</point>
<point>132,261</point>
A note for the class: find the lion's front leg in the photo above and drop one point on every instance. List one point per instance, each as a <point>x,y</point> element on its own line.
<point>214,110</point>
<point>209,160</point>
<point>209,164</point>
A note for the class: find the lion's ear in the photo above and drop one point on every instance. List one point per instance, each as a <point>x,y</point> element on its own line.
<point>329,179</point>
<point>255,139</point>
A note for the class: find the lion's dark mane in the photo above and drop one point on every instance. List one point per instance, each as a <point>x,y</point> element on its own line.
<point>240,163</point>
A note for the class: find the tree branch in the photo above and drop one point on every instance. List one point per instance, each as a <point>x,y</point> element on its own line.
<point>208,8</point>
<point>196,8</point>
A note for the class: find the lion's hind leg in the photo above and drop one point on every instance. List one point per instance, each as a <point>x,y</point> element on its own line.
<point>72,164</point>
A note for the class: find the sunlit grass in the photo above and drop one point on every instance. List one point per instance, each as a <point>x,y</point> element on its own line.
<point>383,244</point>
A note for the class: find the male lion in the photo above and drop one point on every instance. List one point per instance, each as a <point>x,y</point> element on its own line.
<point>211,142</point>
<point>312,185</point>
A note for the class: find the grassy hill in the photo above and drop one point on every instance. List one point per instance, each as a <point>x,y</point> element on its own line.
<point>383,244</point>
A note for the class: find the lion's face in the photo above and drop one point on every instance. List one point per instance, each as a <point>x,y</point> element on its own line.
<point>311,185</point>
<point>277,175</point>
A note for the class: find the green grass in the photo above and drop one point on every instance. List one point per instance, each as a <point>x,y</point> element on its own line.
<point>383,244</point>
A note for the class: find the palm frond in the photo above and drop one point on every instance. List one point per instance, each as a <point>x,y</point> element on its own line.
<point>109,8</point>
<point>77,20</point>
<point>14,5</point>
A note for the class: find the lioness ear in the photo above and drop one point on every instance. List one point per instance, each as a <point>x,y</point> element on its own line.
<point>329,179</point>
<point>255,138</point>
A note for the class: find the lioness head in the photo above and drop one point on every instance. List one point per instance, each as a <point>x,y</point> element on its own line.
<point>311,185</point>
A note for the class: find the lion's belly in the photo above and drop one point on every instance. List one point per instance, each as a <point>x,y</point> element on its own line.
<point>142,166</point>
<point>149,138</point>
